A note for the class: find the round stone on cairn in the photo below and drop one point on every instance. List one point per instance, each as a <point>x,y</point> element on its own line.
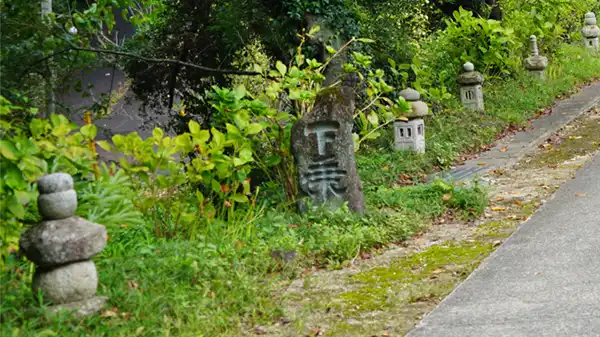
<point>61,246</point>
<point>418,107</point>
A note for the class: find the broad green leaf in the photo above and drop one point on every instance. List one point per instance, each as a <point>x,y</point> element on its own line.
<point>218,141</point>
<point>194,127</point>
<point>104,145</point>
<point>239,198</point>
<point>216,187</point>
<point>246,154</point>
<point>89,131</point>
<point>201,137</point>
<point>232,130</point>
<point>15,207</point>
<point>184,142</point>
<point>330,49</point>
<point>158,133</point>
<point>23,197</point>
<point>8,150</point>
<point>239,91</point>
<point>272,160</point>
<point>254,128</point>
<point>373,118</point>
<point>281,68</point>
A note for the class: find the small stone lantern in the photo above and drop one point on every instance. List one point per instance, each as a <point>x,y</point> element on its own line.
<point>591,32</point>
<point>535,63</point>
<point>61,247</point>
<point>410,135</point>
<point>471,90</point>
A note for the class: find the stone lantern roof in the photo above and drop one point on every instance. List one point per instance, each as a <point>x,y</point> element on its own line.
<point>470,76</point>
<point>418,107</point>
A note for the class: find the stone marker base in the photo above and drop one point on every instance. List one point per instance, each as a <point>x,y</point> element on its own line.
<point>82,308</point>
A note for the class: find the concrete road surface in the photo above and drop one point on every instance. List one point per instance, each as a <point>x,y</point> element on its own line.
<point>543,281</point>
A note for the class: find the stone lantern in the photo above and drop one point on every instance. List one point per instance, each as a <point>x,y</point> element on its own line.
<point>591,32</point>
<point>535,63</point>
<point>61,247</point>
<point>410,135</point>
<point>471,90</point>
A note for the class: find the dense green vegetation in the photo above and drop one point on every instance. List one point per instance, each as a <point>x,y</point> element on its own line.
<point>201,217</point>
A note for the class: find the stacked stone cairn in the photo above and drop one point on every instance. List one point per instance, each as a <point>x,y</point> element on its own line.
<point>61,247</point>
<point>591,32</point>
<point>471,90</point>
<point>410,135</point>
<point>535,63</point>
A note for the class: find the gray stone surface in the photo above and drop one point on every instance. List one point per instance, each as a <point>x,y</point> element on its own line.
<point>58,242</point>
<point>81,308</point>
<point>510,150</point>
<point>324,152</point>
<point>58,205</point>
<point>543,281</point>
<point>418,109</point>
<point>70,283</point>
<point>410,94</point>
<point>535,61</point>
<point>470,76</point>
<point>55,182</point>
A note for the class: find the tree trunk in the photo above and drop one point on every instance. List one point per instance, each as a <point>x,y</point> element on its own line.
<point>46,10</point>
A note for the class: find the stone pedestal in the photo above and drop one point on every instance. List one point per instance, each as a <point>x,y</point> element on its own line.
<point>535,63</point>
<point>410,135</point>
<point>591,32</point>
<point>61,247</point>
<point>471,90</point>
<point>324,153</point>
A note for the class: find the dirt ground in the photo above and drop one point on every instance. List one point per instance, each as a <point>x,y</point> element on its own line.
<point>387,294</point>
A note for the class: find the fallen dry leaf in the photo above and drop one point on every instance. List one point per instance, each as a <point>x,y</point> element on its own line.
<point>481,164</point>
<point>580,195</point>
<point>447,197</point>
<point>498,209</point>
<point>500,199</point>
<point>575,137</point>
<point>316,332</point>
<point>503,149</point>
<point>437,271</point>
<point>260,330</point>
<point>518,203</point>
<point>386,168</point>
<point>132,284</point>
<point>113,312</point>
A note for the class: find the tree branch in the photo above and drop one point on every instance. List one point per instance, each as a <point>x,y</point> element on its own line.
<point>146,59</point>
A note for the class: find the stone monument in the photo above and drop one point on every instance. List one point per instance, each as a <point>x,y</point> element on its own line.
<point>471,90</point>
<point>535,63</point>
<point>324,152</point>
<point>591,32</point>
<point>410,135</point>
<point>61,247</point>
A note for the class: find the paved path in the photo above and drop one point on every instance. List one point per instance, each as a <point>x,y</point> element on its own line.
<point>543,281</point>
<point>510,150</point>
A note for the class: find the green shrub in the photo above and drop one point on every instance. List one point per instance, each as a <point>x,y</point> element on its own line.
<point>486,43</point>
<point>107,200</point>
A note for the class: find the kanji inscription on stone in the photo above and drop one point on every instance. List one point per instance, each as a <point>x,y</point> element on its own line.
<point>324,153</point>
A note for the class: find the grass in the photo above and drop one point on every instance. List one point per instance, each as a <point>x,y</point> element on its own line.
<point>218,284</point>
<point>509,103</point>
